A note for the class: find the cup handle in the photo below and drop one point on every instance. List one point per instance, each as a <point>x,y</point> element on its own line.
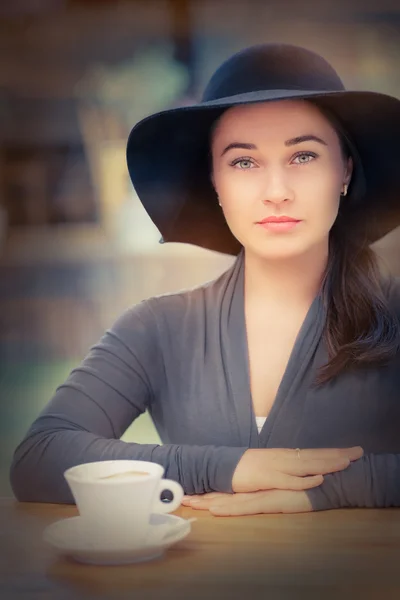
<point>177,491</point>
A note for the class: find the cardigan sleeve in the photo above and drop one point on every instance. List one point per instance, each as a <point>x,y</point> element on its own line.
<point>91,410</point>
<point>374,479</point>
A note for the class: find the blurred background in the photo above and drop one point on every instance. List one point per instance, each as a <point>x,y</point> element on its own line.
<point>76,247</point>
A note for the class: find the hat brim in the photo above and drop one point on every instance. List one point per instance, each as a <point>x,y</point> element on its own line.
<point>168,162</point>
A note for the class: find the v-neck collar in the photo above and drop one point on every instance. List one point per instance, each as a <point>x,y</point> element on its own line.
<point>236,358</point>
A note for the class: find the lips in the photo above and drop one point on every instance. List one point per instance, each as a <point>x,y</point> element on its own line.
<point>282,219</point>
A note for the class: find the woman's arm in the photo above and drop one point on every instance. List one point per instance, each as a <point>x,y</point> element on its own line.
<point>372,481</point>
<point>88,414</point>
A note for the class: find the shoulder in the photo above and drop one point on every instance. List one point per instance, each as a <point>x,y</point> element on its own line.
<point>173,310</point>
<point>157,319</point>
<point>182,306</point>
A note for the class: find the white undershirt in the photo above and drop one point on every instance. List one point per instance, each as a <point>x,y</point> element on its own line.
<point>260,422</point>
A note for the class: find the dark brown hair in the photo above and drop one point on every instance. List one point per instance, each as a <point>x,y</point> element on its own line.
<point>360,328</point>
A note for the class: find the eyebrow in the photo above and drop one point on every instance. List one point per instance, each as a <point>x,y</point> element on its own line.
<point>305,138</point>
<point>292,142</point>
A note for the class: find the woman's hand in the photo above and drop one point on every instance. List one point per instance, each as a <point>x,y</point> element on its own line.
<point>286,469</point>
<point>253,503</point>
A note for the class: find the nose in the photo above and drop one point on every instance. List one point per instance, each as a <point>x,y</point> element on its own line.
<point>276,189</point>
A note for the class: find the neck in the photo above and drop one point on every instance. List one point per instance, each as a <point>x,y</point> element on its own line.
<point>295,281</point>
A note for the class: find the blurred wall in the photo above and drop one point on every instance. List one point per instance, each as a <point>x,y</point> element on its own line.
<point>76,247</point>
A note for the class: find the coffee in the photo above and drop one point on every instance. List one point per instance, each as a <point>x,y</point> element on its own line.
<point>123,475</point>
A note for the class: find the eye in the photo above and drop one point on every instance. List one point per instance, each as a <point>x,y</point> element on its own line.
<point>245,163</point>
<point>304,157</point>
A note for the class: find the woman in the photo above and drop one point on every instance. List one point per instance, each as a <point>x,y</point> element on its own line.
<point>283,167</point>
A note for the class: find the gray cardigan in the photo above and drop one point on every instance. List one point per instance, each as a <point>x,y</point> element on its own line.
<point>183,357</point>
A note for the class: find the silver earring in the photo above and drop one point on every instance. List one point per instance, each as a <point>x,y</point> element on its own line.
<point>344,193</point>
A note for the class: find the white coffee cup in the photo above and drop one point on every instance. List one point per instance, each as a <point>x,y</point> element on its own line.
<point>118,497</point>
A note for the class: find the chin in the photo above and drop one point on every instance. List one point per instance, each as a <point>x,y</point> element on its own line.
<point>281,250</point>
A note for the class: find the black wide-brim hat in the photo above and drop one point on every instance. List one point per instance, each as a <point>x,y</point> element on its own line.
<point>168,153</point>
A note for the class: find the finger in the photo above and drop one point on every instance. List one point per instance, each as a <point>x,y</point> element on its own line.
<point>306,483</point>
<point>317,453</point>
<point>203,501</point>
<point>270,502</point>
<point>201,505</point>
<point>331,453</point>
<point>185,501</point>
<point>283,481</point>
<point>303,467</point>
<point>189,498</point>
<point>243,506</point>
<point>225,500</point>
<point>211,495</point>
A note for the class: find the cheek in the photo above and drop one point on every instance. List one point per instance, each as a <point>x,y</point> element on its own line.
<point>237,189</point>
<point>318,193</point>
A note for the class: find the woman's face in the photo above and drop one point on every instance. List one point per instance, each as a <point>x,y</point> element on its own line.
<point>278,159</point>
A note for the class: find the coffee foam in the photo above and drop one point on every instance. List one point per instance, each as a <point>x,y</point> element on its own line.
<point>122,475</point>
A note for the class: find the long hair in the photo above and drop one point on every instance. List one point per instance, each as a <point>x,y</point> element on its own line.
<point>360,328</point>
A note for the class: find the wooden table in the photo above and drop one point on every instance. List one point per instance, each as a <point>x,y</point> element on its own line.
<point>339,554</point>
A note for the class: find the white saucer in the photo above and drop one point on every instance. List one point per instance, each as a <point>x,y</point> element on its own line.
<point>73,538</point>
